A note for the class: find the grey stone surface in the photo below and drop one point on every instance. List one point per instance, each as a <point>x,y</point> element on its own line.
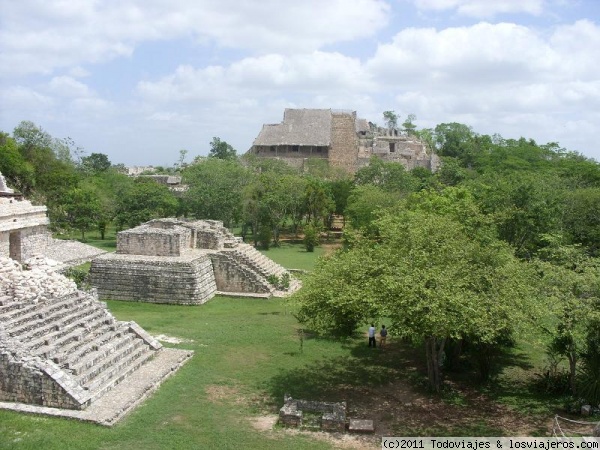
<point>361,426</point>
<point>61,347</point>
<point>185,262</point>
<point>124,397</point>
<point>333,418</point>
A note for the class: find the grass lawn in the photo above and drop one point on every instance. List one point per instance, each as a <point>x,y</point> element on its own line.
<point>292,255</point>
<point>248,353</point>
<point>109,243</point>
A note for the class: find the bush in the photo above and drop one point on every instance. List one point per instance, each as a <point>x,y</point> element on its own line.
<point>311,237</point>
<point>79,276</point>
<point>264,237</point>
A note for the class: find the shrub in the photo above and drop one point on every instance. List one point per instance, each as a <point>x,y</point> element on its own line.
<point>311,237</point>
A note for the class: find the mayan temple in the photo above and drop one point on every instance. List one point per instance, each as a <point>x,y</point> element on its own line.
<point>340,138</point>
<point>186,262</point>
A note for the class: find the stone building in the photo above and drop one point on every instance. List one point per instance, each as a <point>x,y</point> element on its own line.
<point>340,138</point>
<point>185,262</point>
<point>62,348</point>
<point>24,232</point>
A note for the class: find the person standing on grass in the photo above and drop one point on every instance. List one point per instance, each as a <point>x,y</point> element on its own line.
<point>372,336</point>
<point>383,336</point>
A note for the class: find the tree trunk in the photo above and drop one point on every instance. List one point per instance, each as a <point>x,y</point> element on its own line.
<point>572,371</point>
<point>434,349</point>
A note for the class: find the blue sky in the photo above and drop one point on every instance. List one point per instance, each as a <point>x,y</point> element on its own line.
<point>141,79</point>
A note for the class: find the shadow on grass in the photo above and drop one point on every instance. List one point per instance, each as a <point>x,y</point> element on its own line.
<point>330,379</point>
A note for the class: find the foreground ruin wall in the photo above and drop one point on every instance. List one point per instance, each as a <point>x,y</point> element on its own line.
<point>61,347</point>
<point>24,233</point>
<point>185,262</point>
<point>23,228</point>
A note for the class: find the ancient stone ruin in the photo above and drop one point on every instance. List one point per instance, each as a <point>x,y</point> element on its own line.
<point>333,416</point>
<point>61,348</point>
<point>185,262</point>
<point>24,232</point>
<point>341,138</point>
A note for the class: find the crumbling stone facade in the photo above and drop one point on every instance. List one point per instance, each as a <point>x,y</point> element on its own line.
<point>184,262</point>
<point>61,347</point>
<point>340,138</point>
<point>333,418</point>
<point>24,232</point>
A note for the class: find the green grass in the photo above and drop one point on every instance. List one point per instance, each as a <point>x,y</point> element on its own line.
<point>109,243</point>
<point>248,355</point>
<point>292,255</point>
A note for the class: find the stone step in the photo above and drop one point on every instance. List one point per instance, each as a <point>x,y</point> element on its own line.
<point>115,368</point>
<point>59,330</point>
<point>13,311</point>
<point>97,390</point>
<point>98,333</point>
<point>43,310</point>
<point>66,347</point>
<point>92,363</point>
<point>58,319</point>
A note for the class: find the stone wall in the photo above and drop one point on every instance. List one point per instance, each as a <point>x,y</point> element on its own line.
<point>61,347</point>
<point>231,276</point>
<point>333,418</point>
<point>152,240</point>
<point>187,280</point>
<point>344,141</point>
<point>33,381</point>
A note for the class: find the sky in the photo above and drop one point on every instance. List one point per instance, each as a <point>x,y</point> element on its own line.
<point>139,80</point>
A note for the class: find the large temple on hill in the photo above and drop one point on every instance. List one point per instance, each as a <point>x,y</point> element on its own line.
<point>340,138</point>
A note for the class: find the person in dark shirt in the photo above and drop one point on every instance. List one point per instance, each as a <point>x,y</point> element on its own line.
<point>383,336</point>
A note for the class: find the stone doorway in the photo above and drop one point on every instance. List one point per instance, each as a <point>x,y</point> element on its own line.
<point>14,245</point>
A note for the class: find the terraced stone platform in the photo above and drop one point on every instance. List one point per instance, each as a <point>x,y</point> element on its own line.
<point>186,262</point>
<point>61,348</point>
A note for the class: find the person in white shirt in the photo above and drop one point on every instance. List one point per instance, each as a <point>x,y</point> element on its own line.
<point>372,336</point>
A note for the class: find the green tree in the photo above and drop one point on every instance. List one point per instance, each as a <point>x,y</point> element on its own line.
<point>389,176</point>
<point>572,281</point>
<point>391,119</point>
<point>216,189</point>
<point>95,163</point>
<point>524,206</point>
<point>365,203</point>
<point>408,125</point>
<point>318,203</point>
<point>581,218</point>
<point>18,172</point>
<point>221,149</point>
<point>431,277</point>
<point>143,200</point>
<point>81,210</point>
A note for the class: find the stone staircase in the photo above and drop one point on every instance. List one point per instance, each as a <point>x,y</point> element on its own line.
<point>263,265</point>
<point>75,343</point>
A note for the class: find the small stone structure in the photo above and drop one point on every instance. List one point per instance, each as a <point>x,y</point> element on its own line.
<point>333,418</point>
<point>185,262</point>
<point>24,232</point>
<point>61,347</point>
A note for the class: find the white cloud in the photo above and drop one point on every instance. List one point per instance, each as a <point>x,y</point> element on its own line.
<point>64,86</point>
<point>265,75</point>
<point>483,53</point>
<point>38,36</point>
<point>482,9</point>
